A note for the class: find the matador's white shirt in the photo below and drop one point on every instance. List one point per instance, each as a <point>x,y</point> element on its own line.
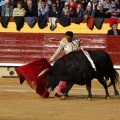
<point>67,47</point>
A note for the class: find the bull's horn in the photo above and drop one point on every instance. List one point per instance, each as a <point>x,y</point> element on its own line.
<point>44,71</point>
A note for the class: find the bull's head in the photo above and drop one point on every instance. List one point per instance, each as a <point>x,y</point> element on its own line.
<point>51,80</point>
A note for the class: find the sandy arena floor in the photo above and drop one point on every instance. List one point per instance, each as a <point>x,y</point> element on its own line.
<point>20,102</point>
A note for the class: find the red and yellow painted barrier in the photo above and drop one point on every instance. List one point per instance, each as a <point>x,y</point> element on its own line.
<point>28,44</point>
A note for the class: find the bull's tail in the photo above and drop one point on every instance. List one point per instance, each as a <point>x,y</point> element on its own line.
<point>116,79</point>
<point>111,72</point>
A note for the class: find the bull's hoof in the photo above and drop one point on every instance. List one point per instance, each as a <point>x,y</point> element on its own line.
<point>89,99</point>
<point>108,97</point>
<point>116,93</point>
<point>63,97</point>
<point>56,95</point>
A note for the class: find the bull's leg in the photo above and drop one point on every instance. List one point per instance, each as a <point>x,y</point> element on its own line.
<point>115,91</point>
<point>114,86</point>
<point>88,87</point>
<point>105,87</point>
<point>68,87</point>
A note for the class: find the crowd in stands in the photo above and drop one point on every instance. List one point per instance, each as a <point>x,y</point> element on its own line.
<point>61,10</point>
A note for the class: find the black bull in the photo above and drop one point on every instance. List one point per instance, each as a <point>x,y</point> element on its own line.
<point>75,68</point>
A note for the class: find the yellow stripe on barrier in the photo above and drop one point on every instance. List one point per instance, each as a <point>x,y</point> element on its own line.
<point>79,29</point>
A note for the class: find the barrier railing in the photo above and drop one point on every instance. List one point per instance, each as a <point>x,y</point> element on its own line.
<point>21,48</point>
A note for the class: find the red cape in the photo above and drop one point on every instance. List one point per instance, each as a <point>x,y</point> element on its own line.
<point>30,72</point>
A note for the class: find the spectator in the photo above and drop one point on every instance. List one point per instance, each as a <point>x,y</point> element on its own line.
<point>79,10</point>
<point>72,4</point>
<point>19,11</point>
<point>63,3</point>
<point>89,12</point>
<point>114,12</point>
<point>6,13</point>
<point>66,14</point>
<point>114,30</point>
<point>53,14</point>
<point>67,11</point>
<point>34,2</point>
<point>2,3</point>
<point>101,12</point>
<point>7,10</point>
<point>30,9</point>
<point>84,4</point>
<point>48,2</point>
<point>31,14</point>
<point>59,6</point>
<point>107,4</point>
<point>18,14</point>
<point>93,4</point>
<point>43,8</point>
<point>13,3</point>
<point>117,3</point>
<point>79,14</point>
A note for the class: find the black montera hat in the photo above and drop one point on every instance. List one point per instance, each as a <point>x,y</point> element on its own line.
<point>69,33</point>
